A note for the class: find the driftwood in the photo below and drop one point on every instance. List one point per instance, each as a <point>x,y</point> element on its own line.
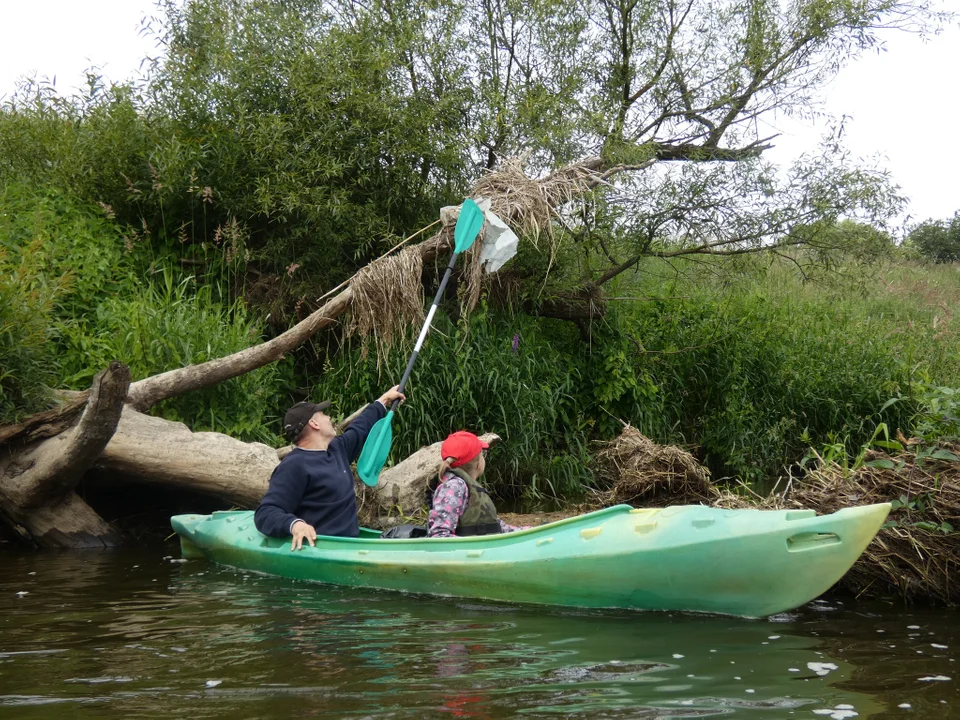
<point>37,480</point>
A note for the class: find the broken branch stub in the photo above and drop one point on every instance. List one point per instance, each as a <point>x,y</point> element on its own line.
<point>37,480</point>
<point>44,470</point>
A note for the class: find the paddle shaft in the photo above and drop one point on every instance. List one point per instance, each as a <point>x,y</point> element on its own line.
<point>426,327</point>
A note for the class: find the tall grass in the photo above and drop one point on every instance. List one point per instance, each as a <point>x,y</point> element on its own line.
<point>474,376</point>
<point>75,294</point>
<point>171,323</point>
<point>27,297</point>
<point>754,369</point>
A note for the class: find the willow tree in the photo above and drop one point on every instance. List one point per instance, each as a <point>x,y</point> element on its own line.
<point>684,93</point>
<point>688,94</point>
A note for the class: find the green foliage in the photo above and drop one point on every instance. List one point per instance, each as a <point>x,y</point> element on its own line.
<point>169,324</point>
<point>301,126</point>
<point>469,377</point>
<point>68,238</point>
<point>937,411</point>
<point>754,369</point>
<point>72,302</point>
<point>60,259</point>
<point>917,506</point>
<point>27,297</point>
<point>937,240</point>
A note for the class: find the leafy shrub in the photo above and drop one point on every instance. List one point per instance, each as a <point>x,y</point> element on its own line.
<point>68,237</point>
<point>27,297</point>
<point>937,240</point>
<point>170,324</point>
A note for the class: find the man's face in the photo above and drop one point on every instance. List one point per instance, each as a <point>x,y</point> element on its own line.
<point>323,424</point>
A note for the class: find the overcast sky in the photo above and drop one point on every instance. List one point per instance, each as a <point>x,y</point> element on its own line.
<point>902,105</point>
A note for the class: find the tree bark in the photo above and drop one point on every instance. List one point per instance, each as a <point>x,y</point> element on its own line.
<point>37,480</point>
<point>47,423</point>
<point>151,450</point>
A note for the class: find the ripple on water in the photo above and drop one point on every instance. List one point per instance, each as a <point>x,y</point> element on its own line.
<point>121,635</point>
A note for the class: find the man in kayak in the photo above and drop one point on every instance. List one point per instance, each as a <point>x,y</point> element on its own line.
<point>459,505</point>
<point>311,490</point>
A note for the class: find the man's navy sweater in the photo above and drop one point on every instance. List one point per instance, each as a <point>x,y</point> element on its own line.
<point>316,486</point>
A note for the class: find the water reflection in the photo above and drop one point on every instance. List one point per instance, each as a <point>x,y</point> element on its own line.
<point>137,635</point>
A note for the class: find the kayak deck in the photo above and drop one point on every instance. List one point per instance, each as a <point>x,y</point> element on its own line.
<point>694,558</point>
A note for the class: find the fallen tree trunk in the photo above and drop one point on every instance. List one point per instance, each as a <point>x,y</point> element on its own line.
<point>37,480</point>
<point>146,393</point>
<point>531,213</point>
<point>151,450</point>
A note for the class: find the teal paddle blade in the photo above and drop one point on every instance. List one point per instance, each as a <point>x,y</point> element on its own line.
<point>376,450</point>
<point>468,226</point>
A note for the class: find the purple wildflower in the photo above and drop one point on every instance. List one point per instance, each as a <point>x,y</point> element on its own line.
<point>516,344</point>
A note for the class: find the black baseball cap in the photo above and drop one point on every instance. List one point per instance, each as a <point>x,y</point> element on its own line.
<point>299,415</point>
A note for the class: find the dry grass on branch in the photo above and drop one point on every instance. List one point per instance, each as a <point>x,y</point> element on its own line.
<point>388,294</point>
<point>387,299</point>
<point>519,200</point>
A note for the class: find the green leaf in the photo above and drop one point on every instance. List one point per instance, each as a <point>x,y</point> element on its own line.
<point>888,403</point>
<point>889,445</point>
<point>882,464</point>
<point>945,455</point>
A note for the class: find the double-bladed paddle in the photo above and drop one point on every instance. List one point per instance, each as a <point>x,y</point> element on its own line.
<point>377,447</point>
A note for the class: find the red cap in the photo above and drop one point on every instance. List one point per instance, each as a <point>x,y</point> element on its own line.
<point>463,447</point>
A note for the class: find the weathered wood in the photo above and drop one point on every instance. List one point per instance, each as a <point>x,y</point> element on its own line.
<point>66,522</point>
<point>34,475</point>
<point>47,423</point>
<point>146,449</point>
<point>37,479</point>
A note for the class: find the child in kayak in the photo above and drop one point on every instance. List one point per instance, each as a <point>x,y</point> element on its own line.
<point>459,505</point>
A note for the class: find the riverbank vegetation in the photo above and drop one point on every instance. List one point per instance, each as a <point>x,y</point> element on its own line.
<point>670,279</point>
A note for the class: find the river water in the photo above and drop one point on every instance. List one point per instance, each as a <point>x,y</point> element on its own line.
<point>141,634</point>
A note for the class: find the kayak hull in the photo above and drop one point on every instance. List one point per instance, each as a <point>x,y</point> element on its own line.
<point>691,558</point>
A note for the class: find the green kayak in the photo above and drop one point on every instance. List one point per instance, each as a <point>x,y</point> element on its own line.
<point>695,558</point>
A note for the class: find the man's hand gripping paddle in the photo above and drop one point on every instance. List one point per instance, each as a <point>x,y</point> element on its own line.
<point>377,447</point>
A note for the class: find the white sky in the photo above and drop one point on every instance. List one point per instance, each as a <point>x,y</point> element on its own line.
<point>903,104</point>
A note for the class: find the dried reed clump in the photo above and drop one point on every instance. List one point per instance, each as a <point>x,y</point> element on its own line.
<point>527,204</point>
<point>387,299</point>
<point>639,471</point>
<point>471,277</point>
<point>387,293</point>
<point>522,202</point>
<point>914,556</point>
